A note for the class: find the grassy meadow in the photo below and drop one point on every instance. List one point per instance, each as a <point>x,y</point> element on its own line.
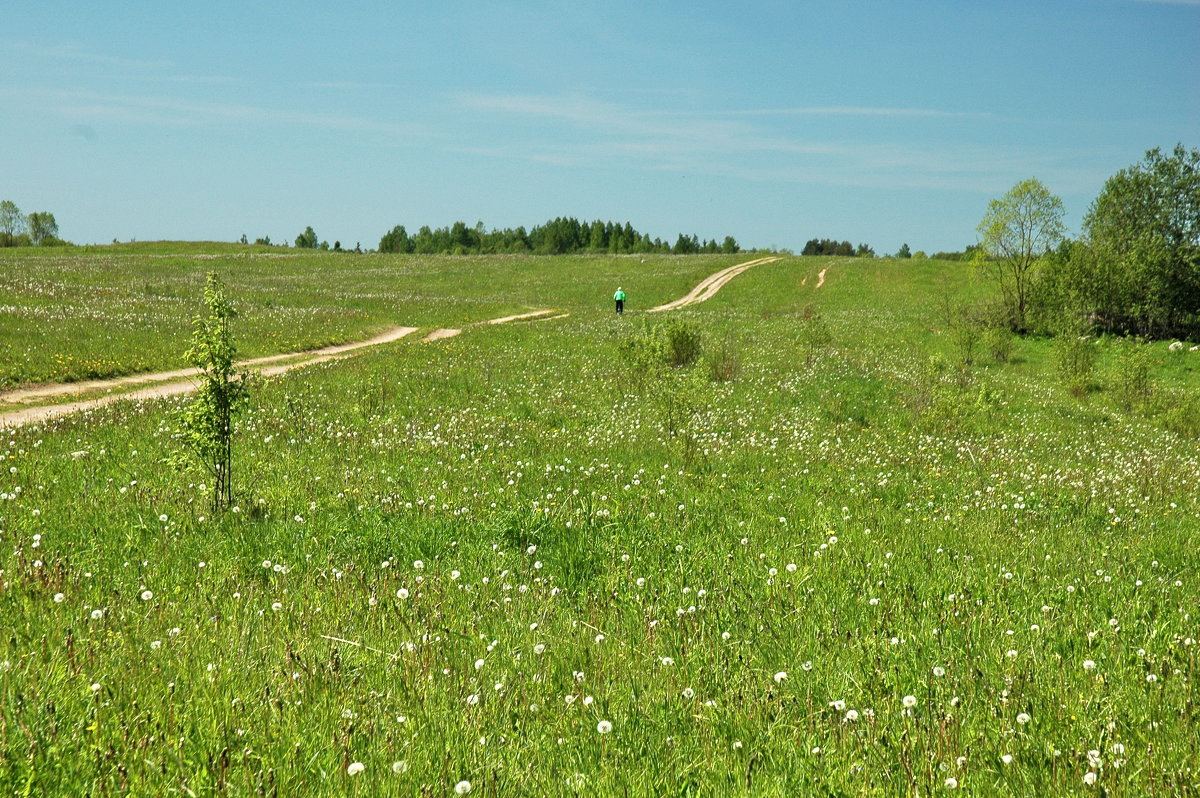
<point>827,558</point>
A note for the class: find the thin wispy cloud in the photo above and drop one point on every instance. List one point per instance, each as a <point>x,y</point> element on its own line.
<point>183,113</point>
<point>73,52</point>
<point>851,110</point>
<point>742,144</point>
<point>350,85</point>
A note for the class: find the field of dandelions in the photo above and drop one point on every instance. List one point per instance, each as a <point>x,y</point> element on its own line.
<point>827,558</point>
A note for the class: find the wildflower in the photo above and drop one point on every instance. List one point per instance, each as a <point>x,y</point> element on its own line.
<point>851,716</point>
<point>779,677</point>
<point>951,783</point>
<point>604,727</point>
<point>1023,718</point>
<point>939,671</point>
<point>1089,665</point>
<point>418,564</point>
<point>399,767</point>
<point>479,664</point>
<point>909,701</point>
<point>462,788</point>
<point>1007,759</point>
<point>1089,778</point>
<point>97,614</point>
<point>147,595</point>
<point>689,693</point>
<point>354,768</point>
<point>402,593</point>
<point>276,606</point>
<point>539,648</point>
<point>95,687</point>
<point>155,645</point>
<point>59,598</point>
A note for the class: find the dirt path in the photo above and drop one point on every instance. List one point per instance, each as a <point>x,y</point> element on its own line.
<point>536,315</point>
<point>29,395</point>
<point>173,383</point>
<point>174,386</point>
<point>710,285</point>
<point>166,383</point>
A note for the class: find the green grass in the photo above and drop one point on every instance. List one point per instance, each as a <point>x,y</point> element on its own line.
<point>874,524</point>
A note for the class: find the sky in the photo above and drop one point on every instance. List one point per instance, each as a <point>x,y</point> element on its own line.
<point>774,122</point>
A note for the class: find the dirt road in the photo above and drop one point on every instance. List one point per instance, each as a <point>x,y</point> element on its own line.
<point>166,383</point>
<point>710,285</point>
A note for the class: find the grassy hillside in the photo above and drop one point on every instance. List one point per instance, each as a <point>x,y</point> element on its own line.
<point>513,559</point>
<point>90,312</point>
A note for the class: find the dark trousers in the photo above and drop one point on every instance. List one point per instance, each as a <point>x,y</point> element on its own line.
<point>620,306</point>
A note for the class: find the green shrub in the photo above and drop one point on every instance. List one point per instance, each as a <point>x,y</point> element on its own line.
<point>814,333</point>
<point>1180,413</point>
<point>683,343</point>
<point>725,362</point>
<point>1075,362</point>
<point>1130,379</point>
<point>998,343</point>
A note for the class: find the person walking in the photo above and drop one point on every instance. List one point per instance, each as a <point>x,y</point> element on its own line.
<point>619,298</point>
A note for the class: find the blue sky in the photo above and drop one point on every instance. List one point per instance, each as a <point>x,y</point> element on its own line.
<point>774,122</point>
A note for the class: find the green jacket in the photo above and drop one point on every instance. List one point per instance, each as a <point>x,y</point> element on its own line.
<point>619,296</point>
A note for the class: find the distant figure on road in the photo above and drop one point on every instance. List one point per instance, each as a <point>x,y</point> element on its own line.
<point>619,298</point>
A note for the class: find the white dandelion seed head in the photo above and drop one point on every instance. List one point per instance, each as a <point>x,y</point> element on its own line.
<point>604,727</point>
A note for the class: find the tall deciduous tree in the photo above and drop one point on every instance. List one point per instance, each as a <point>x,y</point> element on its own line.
<point>1143,237</point>
<point>12,223</point>
<point>307,239</point>
<point>1017,231</point>
<point>42,227</point>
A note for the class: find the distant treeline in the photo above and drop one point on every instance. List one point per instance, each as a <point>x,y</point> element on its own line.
<point>37,229</point>
<point>562,236</point>
<point>829,246</point>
